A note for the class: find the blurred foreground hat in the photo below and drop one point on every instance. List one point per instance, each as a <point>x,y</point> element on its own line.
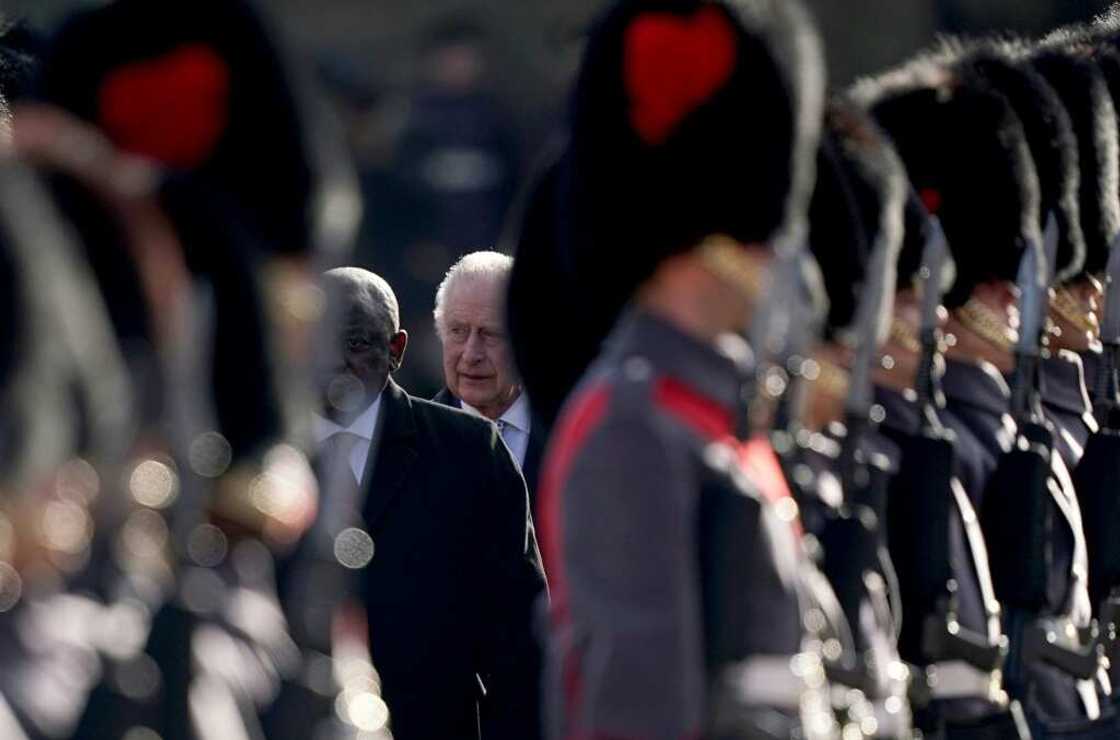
<point>541,281</point>
<point>200,85</point>
<point>691,118</point>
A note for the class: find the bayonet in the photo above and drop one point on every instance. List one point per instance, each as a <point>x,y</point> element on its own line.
<point>1036,270</point>
<point>1033,283</point>
<point>787,320</point>
<point>878,292</point>
<point>936,262</point>
<point>1106,400</point>
<point>1110,327</point>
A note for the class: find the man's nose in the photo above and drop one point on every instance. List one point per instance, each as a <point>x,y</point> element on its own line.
<point>474,350</point>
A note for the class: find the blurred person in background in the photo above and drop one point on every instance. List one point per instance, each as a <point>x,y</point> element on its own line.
<point>389,240</point>
<point>478,364</point>
<point>459,149</point>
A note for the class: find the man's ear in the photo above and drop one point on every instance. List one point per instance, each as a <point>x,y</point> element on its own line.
<point>397,345</point>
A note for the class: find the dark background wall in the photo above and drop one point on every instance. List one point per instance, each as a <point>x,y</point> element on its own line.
<point>862,34</point>
<point>534,44</point>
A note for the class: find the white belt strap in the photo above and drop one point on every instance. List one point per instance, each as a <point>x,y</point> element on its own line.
<point>956,679</point>
<point>768,681</point>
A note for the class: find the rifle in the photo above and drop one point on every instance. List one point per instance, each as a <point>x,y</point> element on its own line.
<point>1096,475</point>
<point>936,261</point>
<point>1017,513</point>
<point>920,505</point>
<point>783,326</point>
<point>854,538</point>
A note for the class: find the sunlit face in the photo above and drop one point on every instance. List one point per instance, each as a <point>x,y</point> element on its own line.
<point>1075,315</point>
<point>477,362</point>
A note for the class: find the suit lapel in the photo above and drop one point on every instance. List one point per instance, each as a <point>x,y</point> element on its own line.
<point>534,453</point>
<point>388,467</point>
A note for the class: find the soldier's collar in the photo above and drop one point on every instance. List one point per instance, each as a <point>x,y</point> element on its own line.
<point>719,370</point>
<point>1063,383</point>
<point>900,409</point>
<point>979,385</point>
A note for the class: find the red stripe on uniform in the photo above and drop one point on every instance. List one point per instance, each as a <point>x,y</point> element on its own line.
<point>572,432</point>
<point>575,426</point>
<point>709,418</point>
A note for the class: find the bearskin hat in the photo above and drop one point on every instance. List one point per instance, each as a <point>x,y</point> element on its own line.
<point>690,118</point>
<point>19,49</point>
<point>543,278</point>
<point>200,86</point>
<point>1053,145</point>
<point>857,203</point>
<point>1080,84</point>
<point>967,156</point>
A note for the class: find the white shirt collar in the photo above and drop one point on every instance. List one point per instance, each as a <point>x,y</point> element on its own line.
<point>363,426</point>
<point>516,416</point>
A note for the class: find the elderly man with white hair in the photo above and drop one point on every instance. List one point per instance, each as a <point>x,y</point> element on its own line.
<point>478,365</point>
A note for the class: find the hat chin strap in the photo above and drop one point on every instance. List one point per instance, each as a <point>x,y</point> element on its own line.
<point>731,261</point>
<point>1068,308</point>
<point>905,336</point>
<point>985,323</point>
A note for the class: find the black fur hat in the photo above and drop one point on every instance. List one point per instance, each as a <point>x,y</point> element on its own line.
<point>200,86</point>
<point>859,198</point>
<point>19,49</point>
<point>1053,145</point>
<point>1084,92</point>
<point>1107,57</point>
<point>543,278</point>
<point>967,155</point>
<point>690,118</point>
